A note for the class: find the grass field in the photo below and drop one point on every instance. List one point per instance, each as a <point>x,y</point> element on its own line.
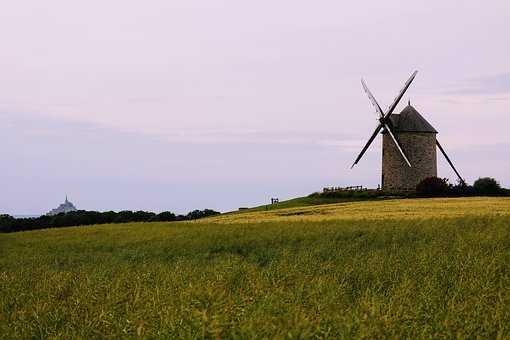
<point>420,268</point>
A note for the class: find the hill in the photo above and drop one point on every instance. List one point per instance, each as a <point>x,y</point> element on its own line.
<point>392,268</point>
<point>321,199</point>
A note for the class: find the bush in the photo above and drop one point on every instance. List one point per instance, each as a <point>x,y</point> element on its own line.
<point>487,186</point>
<point>432,187</point>
<point>461,189</point>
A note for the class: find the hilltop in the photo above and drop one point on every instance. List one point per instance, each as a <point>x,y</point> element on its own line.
<point>324,198</point>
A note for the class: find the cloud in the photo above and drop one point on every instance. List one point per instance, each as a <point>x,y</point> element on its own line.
<point>260,137</point>
<point>484,85</point>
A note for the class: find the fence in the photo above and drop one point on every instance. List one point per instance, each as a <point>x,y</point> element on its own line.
<point>351,188</point>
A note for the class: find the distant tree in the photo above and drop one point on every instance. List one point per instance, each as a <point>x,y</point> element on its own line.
<point>124,216</point>
<point>108,216</point>
<point>196,214</point>
<point>6,223</point>
<point>487,186</point>
<point>181,217</point>
<point>82,217</point>
<point>432,187</point>
<point>165,216</point>
<point>142,216</point>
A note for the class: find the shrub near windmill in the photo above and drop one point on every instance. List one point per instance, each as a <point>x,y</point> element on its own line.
<point>409,145</point>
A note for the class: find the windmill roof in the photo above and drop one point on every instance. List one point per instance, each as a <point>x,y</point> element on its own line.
<point>410,120</point>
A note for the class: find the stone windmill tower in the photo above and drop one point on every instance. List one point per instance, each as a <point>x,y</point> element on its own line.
<point>409,145</point>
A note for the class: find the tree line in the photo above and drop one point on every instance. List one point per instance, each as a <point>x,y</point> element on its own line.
<point>440,187</point>
<point>428,187</point>
<point>82,217</point>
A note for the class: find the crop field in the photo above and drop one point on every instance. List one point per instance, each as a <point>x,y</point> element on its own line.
<point>416,268</point>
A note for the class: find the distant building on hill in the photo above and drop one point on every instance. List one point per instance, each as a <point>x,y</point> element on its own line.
<point>63,208</point>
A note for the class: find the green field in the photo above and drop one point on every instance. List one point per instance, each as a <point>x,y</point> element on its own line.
<point>417,268</point>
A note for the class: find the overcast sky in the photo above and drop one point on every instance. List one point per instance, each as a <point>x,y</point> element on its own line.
<point>176,105</point>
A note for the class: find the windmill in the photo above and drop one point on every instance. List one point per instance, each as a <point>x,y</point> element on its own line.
<point>409,145</point>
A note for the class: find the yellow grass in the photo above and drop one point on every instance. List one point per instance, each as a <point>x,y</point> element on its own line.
<point>416,269</point>
<point>377,210</point>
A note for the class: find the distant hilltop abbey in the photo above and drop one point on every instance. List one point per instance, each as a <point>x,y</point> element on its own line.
<point>63,208</point>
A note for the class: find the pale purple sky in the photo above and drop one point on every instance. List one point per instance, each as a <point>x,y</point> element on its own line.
<point>176,105</point>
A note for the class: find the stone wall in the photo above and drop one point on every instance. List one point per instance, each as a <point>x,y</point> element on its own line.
<point>421,151</point>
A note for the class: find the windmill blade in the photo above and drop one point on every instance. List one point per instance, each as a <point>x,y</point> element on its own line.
<point>397,144</point>
<point>379,127</point>
<point>400,95</point>
<point>372,99</point>
<point>449,161</point>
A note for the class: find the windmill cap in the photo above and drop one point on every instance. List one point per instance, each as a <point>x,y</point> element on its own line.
<point>410,120</point>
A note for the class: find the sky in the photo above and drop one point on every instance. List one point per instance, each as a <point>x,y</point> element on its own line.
<point>180,105</point>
